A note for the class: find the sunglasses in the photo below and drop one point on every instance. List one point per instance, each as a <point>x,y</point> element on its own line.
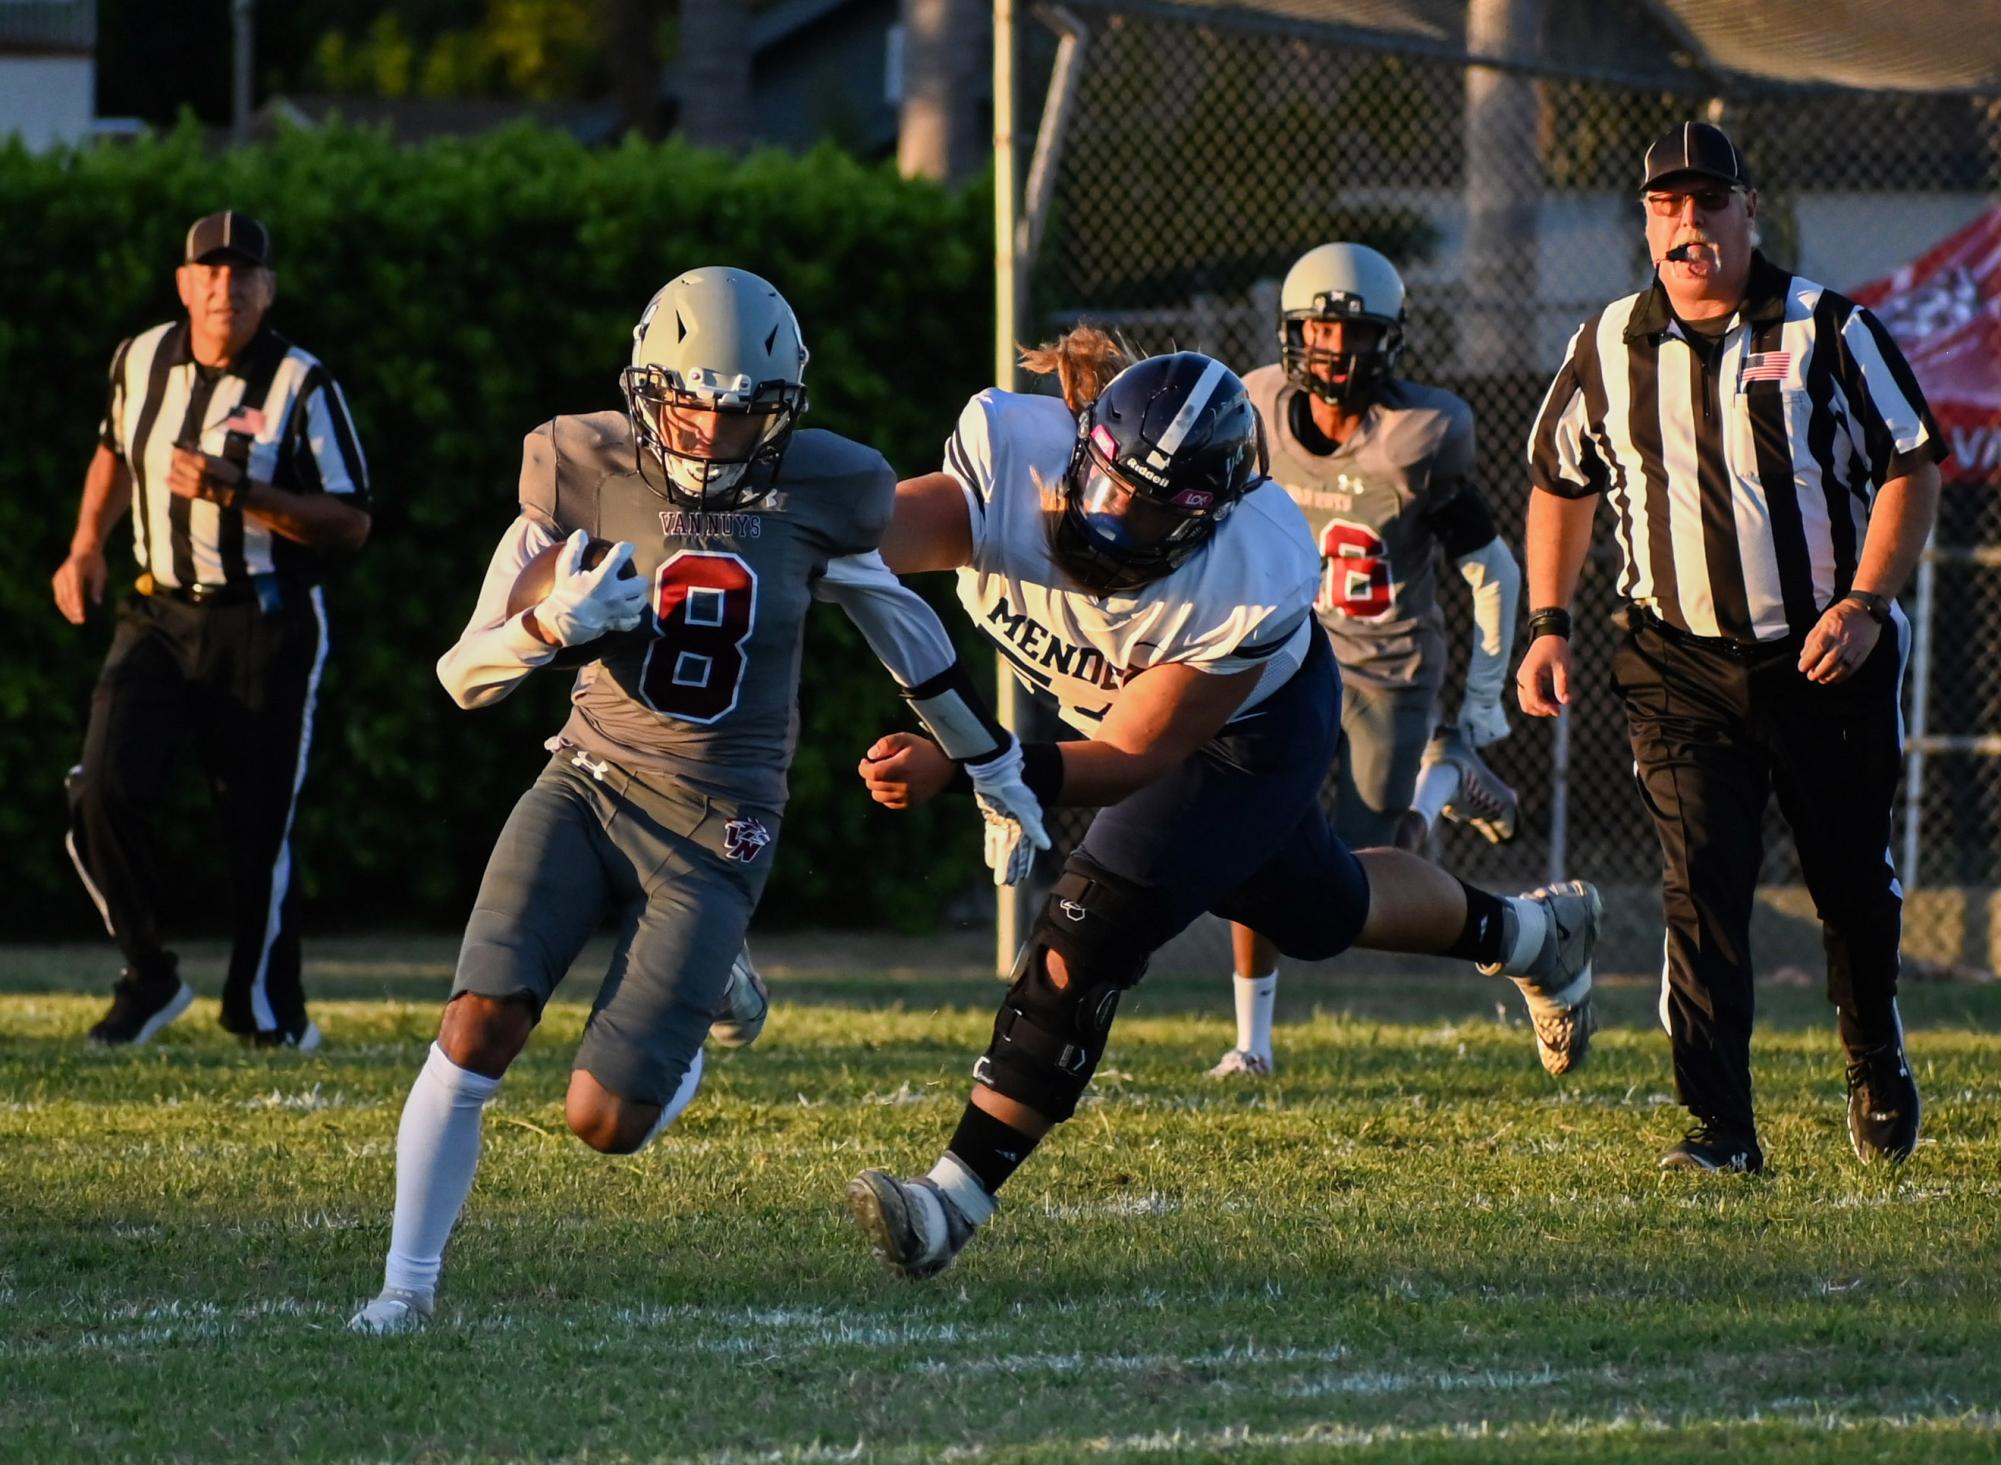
<point>1707,200</point>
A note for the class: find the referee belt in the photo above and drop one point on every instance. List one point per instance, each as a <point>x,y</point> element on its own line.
<point>265,588</point>
<point>1638,619</point>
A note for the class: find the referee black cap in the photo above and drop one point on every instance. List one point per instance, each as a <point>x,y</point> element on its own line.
<point>1695,148</point>
<point>228,235</point>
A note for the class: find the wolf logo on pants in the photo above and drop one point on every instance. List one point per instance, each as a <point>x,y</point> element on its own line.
<point>745,839</point>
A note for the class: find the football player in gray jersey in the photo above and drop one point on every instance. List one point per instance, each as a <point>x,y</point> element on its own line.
<point>662,803</point>
<point>1383,470</point>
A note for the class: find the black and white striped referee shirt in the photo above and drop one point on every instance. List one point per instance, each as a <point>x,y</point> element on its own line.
<point>1741,475</point>
<point>274,409</point>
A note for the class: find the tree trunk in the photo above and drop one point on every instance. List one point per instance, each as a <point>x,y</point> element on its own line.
<point>944,53</point>
<point>635,65</point>
<point>715,75</point>
<point>1503,190</point>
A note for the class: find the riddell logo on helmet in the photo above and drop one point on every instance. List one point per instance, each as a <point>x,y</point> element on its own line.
<point>1140,470</point>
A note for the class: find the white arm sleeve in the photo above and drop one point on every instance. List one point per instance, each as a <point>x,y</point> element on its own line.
<point>908,638</point>
<point>496,650</point>
<point>1496,582</point>
<point>904,633</point>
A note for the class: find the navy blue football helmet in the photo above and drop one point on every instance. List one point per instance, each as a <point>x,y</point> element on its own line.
<point>1162,457</point>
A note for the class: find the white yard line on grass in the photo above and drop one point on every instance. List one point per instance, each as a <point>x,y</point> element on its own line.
<point>1321,1438</point>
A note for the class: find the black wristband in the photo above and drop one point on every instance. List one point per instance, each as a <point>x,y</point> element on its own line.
<point>1552,620</point>
<point>1877,605</point>
<point>1042,770</point>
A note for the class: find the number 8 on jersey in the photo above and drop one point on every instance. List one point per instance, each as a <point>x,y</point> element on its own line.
<point>705,608</point>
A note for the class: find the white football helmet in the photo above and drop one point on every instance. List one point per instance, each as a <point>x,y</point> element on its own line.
<point>716,386</point>
<point>1341,282</point>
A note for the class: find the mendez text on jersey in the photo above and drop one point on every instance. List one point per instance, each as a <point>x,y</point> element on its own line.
<point>1040,645</point>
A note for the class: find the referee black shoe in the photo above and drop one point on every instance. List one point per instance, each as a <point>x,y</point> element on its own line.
<point>1712,1147</point>
<point>1883,1105</point>
<point>305,1037</point>
<point>140,1007</point>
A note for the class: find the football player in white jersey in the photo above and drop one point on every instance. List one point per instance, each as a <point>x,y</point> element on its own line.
<point>1129,559</point>
<point>1383,470</point>
<point>664,803</point>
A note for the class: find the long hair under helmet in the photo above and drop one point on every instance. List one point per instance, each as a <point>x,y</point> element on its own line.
<point>716,386</point>
<point>1163,455</point>
<point>1354,284</point>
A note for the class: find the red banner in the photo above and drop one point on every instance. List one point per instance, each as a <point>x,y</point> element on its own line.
<point>1945,311</point>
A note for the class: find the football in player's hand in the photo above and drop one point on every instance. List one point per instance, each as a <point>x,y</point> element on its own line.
<point>538,578</point>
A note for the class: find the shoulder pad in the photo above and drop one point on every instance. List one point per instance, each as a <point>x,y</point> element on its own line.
<point>566,460</point>
<point>846,487</point>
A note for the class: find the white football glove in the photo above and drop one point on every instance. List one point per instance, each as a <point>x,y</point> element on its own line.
<point>1483,720</point>
<point>1012,813</point>
<point>584,604</point>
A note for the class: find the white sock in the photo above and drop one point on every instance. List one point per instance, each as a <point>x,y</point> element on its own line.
<point>437,1150</point>
<point>1256,997</point>
<point>690,1081</point>
<point>1531,925</point>
<point>951,1176</point>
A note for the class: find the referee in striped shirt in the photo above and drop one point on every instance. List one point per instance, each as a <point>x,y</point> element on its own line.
<point>236,454</point>
<point>1772,471</point>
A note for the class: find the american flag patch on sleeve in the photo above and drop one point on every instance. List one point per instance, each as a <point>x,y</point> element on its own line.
<point>1767,366</point>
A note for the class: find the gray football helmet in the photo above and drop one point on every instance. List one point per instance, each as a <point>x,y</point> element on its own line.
<point>716,386</point>
<point>1341,282</point>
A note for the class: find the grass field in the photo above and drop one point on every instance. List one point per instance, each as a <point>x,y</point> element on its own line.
<point>1410,1245</point>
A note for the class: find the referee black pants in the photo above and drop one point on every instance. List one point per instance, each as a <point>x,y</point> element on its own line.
<point>241,683</point>
<point>1715,734</point>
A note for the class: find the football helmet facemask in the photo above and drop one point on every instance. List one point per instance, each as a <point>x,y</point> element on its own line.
<point>1355,285</point>
<point>715,388</point>
<point>1162,457</point>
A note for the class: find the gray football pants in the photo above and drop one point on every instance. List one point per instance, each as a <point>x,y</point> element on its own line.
<point>1383,733</point>
<point>679,873</point>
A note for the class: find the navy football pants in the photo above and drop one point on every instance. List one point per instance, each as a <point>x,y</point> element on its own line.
<point>1238,829</point>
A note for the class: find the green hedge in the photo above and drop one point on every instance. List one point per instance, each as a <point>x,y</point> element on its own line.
<point>462,292</point>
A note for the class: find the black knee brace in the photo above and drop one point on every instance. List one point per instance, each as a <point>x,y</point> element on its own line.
<point>1048,1039</point>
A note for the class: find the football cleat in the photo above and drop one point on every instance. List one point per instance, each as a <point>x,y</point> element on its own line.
<point>746,1004</point>
<point>1242,1063</point>
<point>1712,1147</point>
<point>1557,982</point>
<point>1482,802</point>
<point>393,1310</point>
<point>1883,1105</point>
<point>911,1225</point>
<point>139,1009</point>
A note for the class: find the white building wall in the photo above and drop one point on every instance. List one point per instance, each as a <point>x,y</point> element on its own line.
<point>47,100</point>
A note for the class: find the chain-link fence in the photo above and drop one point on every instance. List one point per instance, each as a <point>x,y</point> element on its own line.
<point>1202,156</point>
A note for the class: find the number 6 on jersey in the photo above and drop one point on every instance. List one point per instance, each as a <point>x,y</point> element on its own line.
<point>704,607</point>
<point>1356,571</point>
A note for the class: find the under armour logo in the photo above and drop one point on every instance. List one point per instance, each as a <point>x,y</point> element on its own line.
<point>745,839</point>
<point>1071,909</point>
